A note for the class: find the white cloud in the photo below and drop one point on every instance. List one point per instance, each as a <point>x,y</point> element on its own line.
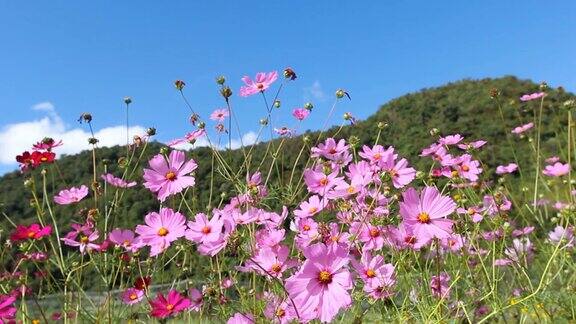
<point>44,106</point>
<point>19,137</point>
<point>247,139</point>
<point>314,92</point>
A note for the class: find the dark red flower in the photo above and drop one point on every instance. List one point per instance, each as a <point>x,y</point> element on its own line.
<point>142,282</point>
<point>42,157</point>
<point>25,160</point>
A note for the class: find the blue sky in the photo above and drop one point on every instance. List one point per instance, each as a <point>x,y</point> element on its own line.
<point>86,56</point>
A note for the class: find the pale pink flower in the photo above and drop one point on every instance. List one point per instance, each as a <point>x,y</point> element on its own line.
<point>450,139</point>
<point>71,195</point>
<point>161,230</point>
<point>320,183</point>
<point>117,182</point>
<point>372,236</point>
<point>562,235</point>
<point>556,170</point>
<point>202,230</point>
<point>188,138</point>
<point>521,129</point>
<point>84,243</point>
<point>197,299</point>
<point>240,318</point>
<point>503,169</point>
<point>169,176</point>
<point>309,208</point>
<point>330,149</point>
<point>261,82</point>
<point>532,96</point>
<point>474,212</point>
<point>472,145</point>
<point>440,285</point>
<point>125,239</point>
<point>552,160</point>
<point>219,114</point>
<point>270,261</point>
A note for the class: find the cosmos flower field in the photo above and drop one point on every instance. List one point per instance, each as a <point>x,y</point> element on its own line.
<point>370,239</point>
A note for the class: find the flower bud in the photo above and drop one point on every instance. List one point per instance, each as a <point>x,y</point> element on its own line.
<point>28,183</point>
<point>382,125</point>
<point>306,139</point>
<point>276,103</point>
<point>87,117</point>
<point>220,80</point>
<point>308,106</point>
<point>127,100</point>
<point>164,150</point>
<point>93,140</point>
<point>264,121</point>
<point>354,141</point>
<point>179,84</point>
<point>201,125</point>
<point>289,74</point>
<point>434,131</point>
<point>543,85</point>
<point>340,93</point>
<point>151,131</point>
<point>226,92</point>
<point>494,93</point>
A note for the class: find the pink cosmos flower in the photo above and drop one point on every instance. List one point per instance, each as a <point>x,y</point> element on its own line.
<point>450,139</point>
<point>440,285</point>
<point>197,299</point>
<point>454,242</point>
<point>521,251</point>
<point>521,129</point>
<point>212,248</point>
<point>71,195</point>
<point>503,169</point>
<point>474,212</point>
<point>269,237</point>
<point>85,243</point>
<point>320,183</point>
<point>404,239</point>
<point>307,230</point>
<point>284,131</point>
<point>125,239</point>
<point>170,305</point>
<point>552,160</point>
<point>279,311</point>
<point>309,208</point>
<point>556,170</point>
<point>400,172</point>
<point>372,236</point>
<point>468,168</point>
<point>330,149</point>
<point>261,82</point>
<point>219,114</point>
<point>320,288</point>
<point>7,309</point>
<point>270,261</point>
<point>132,296</point>
<point>188,138</point>
<point>376,155</point>
<point>32,232</point>
<point>202,230</point>
<point>240,318</point>
<point>532,96</point>
<point>426,215</point>
<point>169,177</point>
<point>300,113</point>
<point>472,145</point>
<point>161,230</point>
<point>117,182</point>
<point>562,235</point>
<point>47,144</point>
<point>371,268</point>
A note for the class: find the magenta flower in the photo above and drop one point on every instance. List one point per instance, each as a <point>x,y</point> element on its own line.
<point>400,172</point>
<point>47,144</point>
<point>521,129</point>
<point>472,145</point>
<point>219,114</point>
<point>552,160</point>
<point>474,212</point>
<point>261,82</point>
<point>372,236</point>
<point>279,311</point>
<point>372,268</point>
<point>202,230</point>
<point>7,309</point>
<point>161,230</point>
<point>468,168</point>
<point>84,243</point>
<point>117,182</point>
<point>503,169</point>
<point>300,113</point>
<point>440,285</point>
<point>170,305</point>
<point>71,195</point>
<point>320,288</point>
<point>330,149</point>
<point>532,96</point>
<point>125,239</point>
<point>426,215</point>
<point>320,183</point>
<point>188,138</point>
<point>169,177</point>
<point>32,232</point>
<point>284,131</point>
<point>213,247</point>
<point>556,170</point>
<point>132,296</point>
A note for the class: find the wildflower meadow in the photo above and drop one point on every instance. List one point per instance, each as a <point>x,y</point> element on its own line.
<point>300,227</point>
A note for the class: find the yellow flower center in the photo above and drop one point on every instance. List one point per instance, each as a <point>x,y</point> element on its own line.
<point>370,273</point>
<point>424,218</point>
<point>377,156</point>
<point>374,232</point>
<point>465,168</point>
<point>323,181</point>
<point>454,174</point>
<point>31,234</point>
<point>306,227</point>
<point>280,312</point>
<point>276,267</point>
<point>325,277</point>
<point>162,231</point>
<point>471,211</point>
<point>169,307</point>
<point>312,210</point>
<point>351,190</point>
<point>84,239</point>
<point>206,230</point>
<point>126,242</point>
<point>171,176</point>
<point>133,296</point>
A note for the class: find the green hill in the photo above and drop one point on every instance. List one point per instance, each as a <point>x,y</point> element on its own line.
<point>464,107</point>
